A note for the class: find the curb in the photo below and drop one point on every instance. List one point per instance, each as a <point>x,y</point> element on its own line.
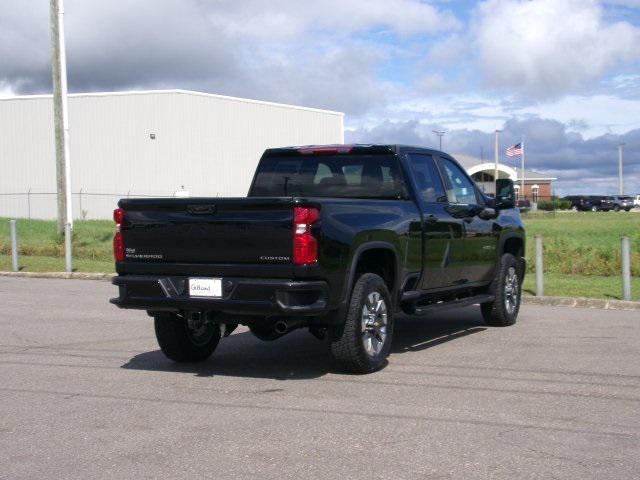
<point>64,275</point>
<point>526,299</point>
<point>581,302</point>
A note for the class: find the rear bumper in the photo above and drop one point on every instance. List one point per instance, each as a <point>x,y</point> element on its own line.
<point>242,296</point>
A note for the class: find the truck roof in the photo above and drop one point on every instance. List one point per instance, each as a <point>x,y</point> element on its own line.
<point>355,148</point>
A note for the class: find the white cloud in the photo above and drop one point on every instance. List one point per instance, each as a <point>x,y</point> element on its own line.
<point>547,48</point>
<point>625,3</point>
<point>322,53</point>
<point>599,114</point>
<point>591,116</point>
<point>6,90</point>
<point>287,19</point>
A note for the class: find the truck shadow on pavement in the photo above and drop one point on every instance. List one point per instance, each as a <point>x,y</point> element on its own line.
<point>300,356</point>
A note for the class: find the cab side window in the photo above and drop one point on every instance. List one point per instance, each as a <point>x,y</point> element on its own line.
<point>461,189</point>
<point>427,179</point>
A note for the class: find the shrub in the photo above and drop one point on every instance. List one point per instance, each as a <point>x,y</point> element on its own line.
<point>549,205</point>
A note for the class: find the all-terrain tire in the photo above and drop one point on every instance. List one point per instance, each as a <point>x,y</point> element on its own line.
<point>181,344</point>
<point>358,348</point>
<point>507,288</point>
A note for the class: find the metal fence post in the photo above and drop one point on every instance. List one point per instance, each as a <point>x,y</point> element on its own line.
<point>539,267</point>
<point>14,246</point>
<point>68,260</point>
<point>626,269</point>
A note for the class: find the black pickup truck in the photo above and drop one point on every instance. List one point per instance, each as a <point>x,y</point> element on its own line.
<point>338,239</point>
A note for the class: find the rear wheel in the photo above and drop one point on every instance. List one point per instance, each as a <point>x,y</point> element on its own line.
<point>365,340</point>
<point>506,286</point>
<point>185,339</point>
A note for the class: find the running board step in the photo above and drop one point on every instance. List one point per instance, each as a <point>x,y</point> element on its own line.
<point>461,302</point>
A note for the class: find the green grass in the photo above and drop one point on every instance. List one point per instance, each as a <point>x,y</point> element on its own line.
<point>583,243</point>
<point>92,239</point>
<point>582,250</point>
<point>563,285</point>
<point>56,264</point>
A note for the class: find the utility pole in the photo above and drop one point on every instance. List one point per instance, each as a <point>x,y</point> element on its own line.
<point>497,160</point>
<point>61,117</point>
<point>440,134</point>
<point>620,181</point>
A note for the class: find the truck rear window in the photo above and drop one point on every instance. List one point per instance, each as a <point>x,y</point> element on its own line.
<point>341,176</point>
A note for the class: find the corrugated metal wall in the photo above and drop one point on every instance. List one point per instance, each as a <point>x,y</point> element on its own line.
<point>209,144</point>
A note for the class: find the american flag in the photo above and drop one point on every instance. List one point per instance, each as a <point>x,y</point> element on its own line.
<point>514,150</point>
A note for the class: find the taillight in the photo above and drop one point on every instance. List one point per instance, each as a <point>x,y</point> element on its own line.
<point>305,245</point>
<point>118,240</point>
<point>118,247</point>
<point>118,216</point>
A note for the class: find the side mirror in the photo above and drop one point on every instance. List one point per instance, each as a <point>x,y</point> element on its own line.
<point>505,194</point>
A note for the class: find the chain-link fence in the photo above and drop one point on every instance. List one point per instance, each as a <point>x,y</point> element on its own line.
<point>87,205</point>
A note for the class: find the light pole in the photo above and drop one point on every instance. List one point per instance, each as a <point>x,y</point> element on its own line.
<point>497,160</point>
<point>620,181</point>
<point>440,134</point>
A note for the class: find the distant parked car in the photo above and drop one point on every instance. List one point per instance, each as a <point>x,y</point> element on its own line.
<point>601,203</point>
<point>621,202</point>
<point>636,201</point>
<point>579,202</point>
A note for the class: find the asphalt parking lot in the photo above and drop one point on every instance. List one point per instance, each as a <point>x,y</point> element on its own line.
<point>85,393</point>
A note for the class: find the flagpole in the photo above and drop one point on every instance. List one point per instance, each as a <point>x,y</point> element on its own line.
<point>522,166</point>
<point>496,173</point>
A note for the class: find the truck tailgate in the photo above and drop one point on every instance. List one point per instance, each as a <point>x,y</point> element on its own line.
<point>208,230</point>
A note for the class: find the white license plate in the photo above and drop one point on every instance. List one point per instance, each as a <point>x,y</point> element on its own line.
<point>205,287</point>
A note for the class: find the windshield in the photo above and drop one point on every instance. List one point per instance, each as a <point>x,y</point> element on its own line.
<point>341,176</point>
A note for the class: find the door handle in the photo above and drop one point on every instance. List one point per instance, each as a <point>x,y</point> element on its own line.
<point>431,219</point>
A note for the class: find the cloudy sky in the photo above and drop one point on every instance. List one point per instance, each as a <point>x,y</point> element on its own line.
<point>562,74</point>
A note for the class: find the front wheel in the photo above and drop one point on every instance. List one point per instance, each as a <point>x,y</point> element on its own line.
<point>185,339</point>
<point>506,286</point>
<point>365,340</point>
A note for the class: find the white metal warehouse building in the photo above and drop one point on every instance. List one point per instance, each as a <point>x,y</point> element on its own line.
<point>149,143</point>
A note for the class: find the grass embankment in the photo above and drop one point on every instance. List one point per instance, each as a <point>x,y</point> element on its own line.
<point>563,285</point>
<point>582,250</point>
<point>42,249</point>
<point>583,243</point>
